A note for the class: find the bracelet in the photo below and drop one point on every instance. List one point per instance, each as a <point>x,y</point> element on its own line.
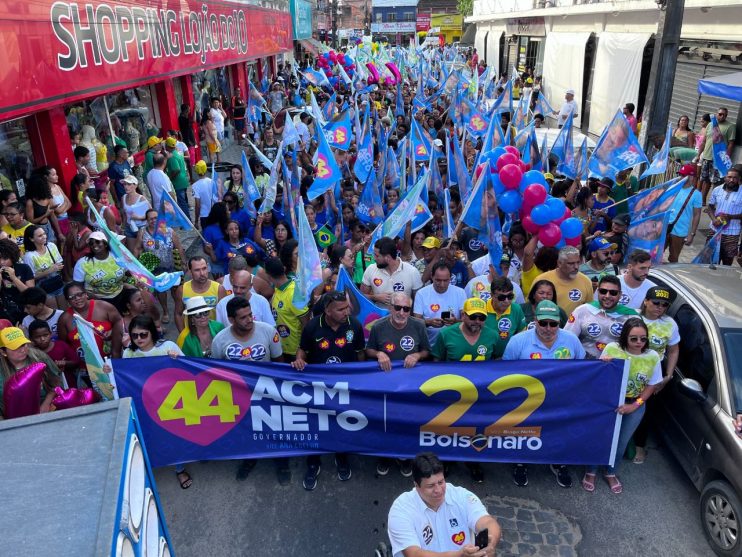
<point>639,401</point>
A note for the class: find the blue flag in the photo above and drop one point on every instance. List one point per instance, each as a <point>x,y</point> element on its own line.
<point>722,162</point>
<point>252,193</point>
<point>318,79</point>
<point>567,164</point>
<point>326,169</point>
<point>648,234</point>
<point>364,165</point>
<point>169,214</point>
<point>421,143</point>
<point>463,180</point>
<point>448,225</point>
<point>654,200</point>
<point>308,266</point>
<point>471,214</point>
<point>659,162</point>
<point>403,213</point>
<point>711,252</point>
<point>363,309</point>
<point>559,147</point>
<point>369,209</point>
<point>338,131</point>
<point>617,150</point>
<point>271,189</point>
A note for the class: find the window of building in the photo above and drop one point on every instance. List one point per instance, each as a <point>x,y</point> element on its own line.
<point>391,17</point>
<point>379,17</point>
<point>409,16</point>
<point>207,85</point>
<point>16,158</point>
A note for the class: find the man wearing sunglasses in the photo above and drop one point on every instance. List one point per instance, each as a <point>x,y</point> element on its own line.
<point>546,341</point>
<point>397,337</point>
<point>599,264</point>
<point>503,315</point>
<point>601,321</point>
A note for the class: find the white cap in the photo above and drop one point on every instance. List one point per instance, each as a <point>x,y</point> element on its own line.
<point>438,143</point>
<point>570,92</point>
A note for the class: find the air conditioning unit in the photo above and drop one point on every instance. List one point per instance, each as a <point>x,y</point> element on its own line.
<point>78,483</point>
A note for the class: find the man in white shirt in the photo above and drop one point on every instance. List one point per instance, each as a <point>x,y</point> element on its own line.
<point>439,304</point>
<point>158,181</point>
<point>435,518</point>
<point>568,107</point>
<point>242,286</point>
<point>634,281</point>
<point>203,192</point>
<point>302,128</point>
<point>389,274</point>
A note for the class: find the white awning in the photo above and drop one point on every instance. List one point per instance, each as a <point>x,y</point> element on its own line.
<point>564,63</point>
<point>618,62</point>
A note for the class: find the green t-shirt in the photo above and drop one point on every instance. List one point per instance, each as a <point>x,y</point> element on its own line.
<point>177,172</point>
<point>452,346</point>
<point>621,192</point>
<point>360,267</point>
<point>506,325</point>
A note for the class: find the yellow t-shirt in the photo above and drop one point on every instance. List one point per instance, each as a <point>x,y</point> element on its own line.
<point>572,293</point>
<point>527,278</point>
<point>211,296</point>
<point>287,317</point>
<point>16,234</point>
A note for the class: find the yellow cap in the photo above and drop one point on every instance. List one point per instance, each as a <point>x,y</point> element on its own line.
<point>200,167</point>
<point>13,338</point>
<point>171,142</point>
<point>431,242</point>
<point>548,176</point>
<point>152,141</point>
<point>475,305</point>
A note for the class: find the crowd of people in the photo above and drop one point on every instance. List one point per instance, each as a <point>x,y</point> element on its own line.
<point>447,300</point>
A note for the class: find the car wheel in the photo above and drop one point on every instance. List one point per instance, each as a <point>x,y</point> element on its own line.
<point>721,517</point>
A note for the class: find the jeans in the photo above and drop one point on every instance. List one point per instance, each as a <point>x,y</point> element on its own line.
<point>182,198</point>
<point>629,423</point>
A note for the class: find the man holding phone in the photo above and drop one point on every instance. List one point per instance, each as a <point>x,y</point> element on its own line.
<point>439,304</point>
<point>435,518</point>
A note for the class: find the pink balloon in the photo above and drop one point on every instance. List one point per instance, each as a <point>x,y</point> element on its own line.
<point>529,226</point>
<point>333,56</point>
<point>395,72</point>
<point>535,194</point>
<point>550,234</point>
<point>575,242</point>
<point>567,214</point>
<point>374,77</point>
<point>22,391</point>
<point>72,398</point>
<point>525,166</point>
<point>507,158</point>
<point>513,150</point>
<point>510,176</point>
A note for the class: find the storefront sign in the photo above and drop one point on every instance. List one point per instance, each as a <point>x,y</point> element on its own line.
<point>423,22</point>
<point>396,27</point>
<point>301,12</point>
<point>447,22</point>
<point>527,26</point>
<point>522,411</point>
<point>67,51</point>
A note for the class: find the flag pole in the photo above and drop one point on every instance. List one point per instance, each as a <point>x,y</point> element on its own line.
<point>187,217</point>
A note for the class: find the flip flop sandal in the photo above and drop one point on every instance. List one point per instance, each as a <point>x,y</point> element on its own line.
<point>165,319</point>
<point>614,484</point>
<point>641,456</point>
<point>588,482</point>
<point>184,478</point>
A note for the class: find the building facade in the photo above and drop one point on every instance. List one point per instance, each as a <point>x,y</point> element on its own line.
<point>603,50</point>
<point>394,20</point>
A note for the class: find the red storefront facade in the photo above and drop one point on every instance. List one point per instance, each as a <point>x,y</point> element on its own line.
<point>121,69</point>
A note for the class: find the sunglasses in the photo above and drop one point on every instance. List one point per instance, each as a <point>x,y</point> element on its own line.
<point>76,296</point>
<point>405,309</point>
<point>478,317</point>
<point>503,297</point>
<point>548,323</point>
<point>200,314</point>
<point>141,336</point>
<point>660,303</point>
<point>638,339</point>
<point>605,291</point>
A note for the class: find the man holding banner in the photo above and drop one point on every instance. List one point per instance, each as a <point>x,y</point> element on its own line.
<point>709,174</point>
<point>725,211</point>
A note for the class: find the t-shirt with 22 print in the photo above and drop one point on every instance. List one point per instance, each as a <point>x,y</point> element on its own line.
<point>570,293</point>
<point>398,343</point>
<point>452,346</point>
<point>263,345</point>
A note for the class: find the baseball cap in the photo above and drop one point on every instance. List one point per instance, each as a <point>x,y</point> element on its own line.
<point>687,170</point>
<point>529,80</point>
<point>98,235</point>
<point>600,243</point>
<point>431,242</point>
<point>130,179</point>
<point>548,176</point>
<point>606,183</point>
<point>152,141</point>
<point>569,92</point>
<point>623,219</point>
<point>661,293</point>
<point>171,142</point>
<point>505,259</point>
<point>474,306</point>
<point>200,167</point>
<point>13,338</point>
<point>546,309</point>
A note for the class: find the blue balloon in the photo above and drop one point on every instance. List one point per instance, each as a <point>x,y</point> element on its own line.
<point>535,177</point>
<point>523,185</point>
<point>510,201</point>
<point>497,184</point>
<point>497,152</point>
<point>540,214</point>
<point>571,228</point>
<point>556,207</point>
<point>561,243</point>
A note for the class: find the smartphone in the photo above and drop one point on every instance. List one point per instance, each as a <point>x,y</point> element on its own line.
<point>445,315</point>
<point>482,539</point>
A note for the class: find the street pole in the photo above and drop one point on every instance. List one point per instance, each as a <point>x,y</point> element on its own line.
<point>334,24</point>
<point>662,74</point>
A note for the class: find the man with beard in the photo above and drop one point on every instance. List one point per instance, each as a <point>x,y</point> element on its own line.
<point>634,282</point>
<point>601,321</point>
<point>725,210</point>
<point>572,287</point>
<point>469,340</point>
<point>599,264</point>
<point>389,274</point>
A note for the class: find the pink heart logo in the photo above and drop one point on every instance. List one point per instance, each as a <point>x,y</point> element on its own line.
<point>173,404</point>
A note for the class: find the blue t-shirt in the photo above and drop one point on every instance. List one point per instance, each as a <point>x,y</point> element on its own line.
<point>225,251</point>
<point>243,219</point>
<point>459,274</point>
<point>527,346</point>
<point>117,171</point>
<point>682,226</point>
<point>602,224</point>
<point>213,234</point>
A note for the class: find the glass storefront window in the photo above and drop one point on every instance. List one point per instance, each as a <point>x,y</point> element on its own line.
<point>207,85</point>
<point>16,159</point>
<point>177,87</point>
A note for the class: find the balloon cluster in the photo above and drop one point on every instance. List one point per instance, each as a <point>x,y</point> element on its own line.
<point>521,190</point>
<point>21,392</point>
<point>328,60</point>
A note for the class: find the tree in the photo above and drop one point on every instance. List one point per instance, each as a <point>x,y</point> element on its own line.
<point>465,7</point>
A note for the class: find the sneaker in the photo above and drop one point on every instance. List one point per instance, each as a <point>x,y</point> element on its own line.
<point>382,550</point>
<point>244,470</point>
<point>283,472</point>
<point>382,466</point>
<point>520,475</point>
<point>405,467</point>
<point>563,477</point>
<point>477,474</point>
<point>343,468</point>
<point>310,477</point>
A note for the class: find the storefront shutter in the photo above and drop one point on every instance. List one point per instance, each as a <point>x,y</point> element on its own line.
<point>685,98</point>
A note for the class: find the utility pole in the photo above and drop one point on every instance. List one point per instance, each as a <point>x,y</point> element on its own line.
<point>334,7</point>
<point>662,73</point>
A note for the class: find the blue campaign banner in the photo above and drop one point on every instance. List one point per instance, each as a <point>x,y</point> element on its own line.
<point>530,411</point>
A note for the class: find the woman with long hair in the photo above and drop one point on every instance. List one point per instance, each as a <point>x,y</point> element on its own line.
<point>138,302</point>
<point>583,210</point>
<point>541,290</point>
<point>281,234</point>
<point>289,256</point>
<point>645,373</point>
<point>135,207</point>
<point>213,228</point>
<point>7,197</point>
<point>683,136</point>
<point>195,339</point>
<point>99,200</point>
<point>234,182</point>
<point>62,203</point>
<point>40,206</point>
<point>231,244</point>
<point>46,263</point>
